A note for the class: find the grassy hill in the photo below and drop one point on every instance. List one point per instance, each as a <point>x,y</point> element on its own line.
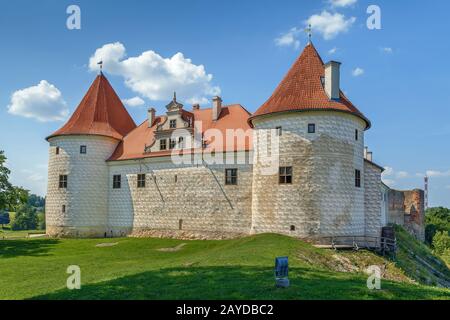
<point>131,268</point>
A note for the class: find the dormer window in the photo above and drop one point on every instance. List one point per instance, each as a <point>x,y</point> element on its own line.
<point>173,124</point>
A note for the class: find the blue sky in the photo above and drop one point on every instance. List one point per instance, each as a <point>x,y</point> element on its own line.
<point>397,76</point>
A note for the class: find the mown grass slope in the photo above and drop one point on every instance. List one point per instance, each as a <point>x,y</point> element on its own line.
<point>232,269</point>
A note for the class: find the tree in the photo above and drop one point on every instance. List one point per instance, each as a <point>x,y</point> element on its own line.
<point>5,186</point>
<point>36,201</point>
<point>10,196</point>
<point>441,242</point>
<point>437,219</point>
<point>4,218</point>
<point>26,218</point>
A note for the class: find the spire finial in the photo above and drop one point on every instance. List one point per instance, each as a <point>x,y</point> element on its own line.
<point>309,32</point>
<point>100,63</point>
<point>175,96</point>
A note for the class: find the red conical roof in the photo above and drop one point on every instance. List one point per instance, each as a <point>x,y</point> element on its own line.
<point>100,113</point>
<point>302,90</point>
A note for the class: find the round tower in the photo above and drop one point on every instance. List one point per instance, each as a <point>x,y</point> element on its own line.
<point>78,176</point>
<point>315,185</point>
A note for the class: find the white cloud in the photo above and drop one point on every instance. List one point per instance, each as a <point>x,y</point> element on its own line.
<point>390,176</point>
<point>402,175</point>
<point>330,25</point>
<point>437,174</point>
<point>289,39</point>
<point>389,182</point>
<point>342,3</point>
<point>388,171</point>
<point>43,102</point>
<point>133,102</point>
<point>387,50</point>
<point>332,50</point>
<point>156,77</point>
<point>358,72</point>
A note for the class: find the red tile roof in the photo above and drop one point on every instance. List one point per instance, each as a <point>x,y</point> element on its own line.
<point>231,117</point>
<point>100,113</point>
<point>302,90</point>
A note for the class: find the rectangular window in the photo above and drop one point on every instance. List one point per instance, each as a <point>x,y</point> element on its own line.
<point>117,181</point>
<point>63,181</point>
<point>173,124</point>
<point>162,144</point>
<point>63,209</point>
<point>358,178</point>
<point>231,176</point>
<point>311,128</point>
<point>141,180</point>
<point>279,131</point>
<point>285,175</point>
<point>172,143</point>
<point>83,149</point>
<point>356,134</point>
<point>57,150</point>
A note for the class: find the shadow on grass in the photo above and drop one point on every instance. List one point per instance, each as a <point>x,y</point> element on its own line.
<point>16,248</point>
<point>237,282</point>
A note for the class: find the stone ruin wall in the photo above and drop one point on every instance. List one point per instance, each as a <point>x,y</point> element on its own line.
<point>406,208</point>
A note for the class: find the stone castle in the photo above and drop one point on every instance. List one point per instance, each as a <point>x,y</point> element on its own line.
<point>297,166</point>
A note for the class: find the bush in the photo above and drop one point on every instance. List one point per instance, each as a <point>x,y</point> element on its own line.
<point>26,218</point>
<point>441,242</point>
<point>4,218</point>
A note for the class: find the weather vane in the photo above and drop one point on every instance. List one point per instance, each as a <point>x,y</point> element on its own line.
<point>309,32</point>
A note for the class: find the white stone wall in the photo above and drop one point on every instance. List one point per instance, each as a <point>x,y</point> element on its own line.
<point>322,199</point>
<point>373,200</point>
<point>86,196</point>
<point>197,195</point>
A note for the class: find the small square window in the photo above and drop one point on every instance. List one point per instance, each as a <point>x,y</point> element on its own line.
<point>356,134</point>
<point>292,228</point>
<point>57,150</point>
<point>285,175</point>
<point>231,176</point>
<point>279,131</point>
<point>172,143</point>
<point>141,180</point>
<point>63,181</point>
<point>162,144</point>
<point>311,128</point>
<point>117,181</point>
<point>357,178</point>
<point>83,149</point>
<point>173,124</point>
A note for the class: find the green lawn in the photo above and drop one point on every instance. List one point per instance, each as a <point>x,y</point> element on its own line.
<point>232,269</point>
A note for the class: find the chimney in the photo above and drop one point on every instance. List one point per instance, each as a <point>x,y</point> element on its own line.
<point>368,155</point>
<point>151,116</point>
<point>332,80</point>
<point>217,107</point>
